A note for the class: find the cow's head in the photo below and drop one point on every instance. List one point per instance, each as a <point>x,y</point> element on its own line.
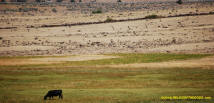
<point>45,97</point>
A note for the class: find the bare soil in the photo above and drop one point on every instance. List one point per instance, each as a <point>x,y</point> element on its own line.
<point>52,60</point>
<point>188,34</point>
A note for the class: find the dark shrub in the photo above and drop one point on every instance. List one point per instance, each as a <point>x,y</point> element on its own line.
<point>109,19</point>
<point>27,9</point>
<point>3,1</point>
<point>21,0</point>
<point>54,10</point>
<point>98,11</point>
<point>151,17</point>
<point>211,12</point>
<point>72,0</point>
<point>179,2</point>
<point>58,0</point>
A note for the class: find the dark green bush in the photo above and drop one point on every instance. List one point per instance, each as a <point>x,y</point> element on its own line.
<point>21,0</point>
<point>54,10</point>
<point>179,2</point>
<point>72,0</point>
<point>109,19</point>
<point>27,9</point>
<point>151,16</point>
<point>98,11</point>
<point>3,1</point>
<point>59,0</point>
<point>119,0</point>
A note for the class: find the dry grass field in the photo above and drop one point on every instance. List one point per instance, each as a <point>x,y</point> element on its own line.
<point>110,53</point>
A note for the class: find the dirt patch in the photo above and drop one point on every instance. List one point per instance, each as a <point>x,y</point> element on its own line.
<point>51,60</point>
<point>73,58</point>
<point>21,62</point>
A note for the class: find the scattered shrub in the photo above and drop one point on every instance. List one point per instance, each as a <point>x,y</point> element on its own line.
<point>59,0</point>
<point>80,0</point>
<point>3,1</point>
<point>10,10</point>
<point>54,10</point>
<point>151,16</point>
<point>21,0</point>
<point>119,0</point>
<point>109,19</point>
<point>27,9</point>
<point>1,38</point>
<point>72,0</point>
<point>98,11</point>
<point>179,2</point>
<point>38,0</point>
<point>211,12</point>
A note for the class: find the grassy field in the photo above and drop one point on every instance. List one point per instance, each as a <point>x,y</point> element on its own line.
<point>122,59</point>
<point>28,84</point>
<point>138,58</point>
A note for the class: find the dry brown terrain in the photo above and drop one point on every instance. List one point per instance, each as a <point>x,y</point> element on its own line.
<point>188,34</point>
<point>52,60</point>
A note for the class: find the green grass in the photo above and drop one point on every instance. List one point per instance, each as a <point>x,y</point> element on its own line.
<point>29,83</point>
<point>106,85</point>
<point>138,58</point>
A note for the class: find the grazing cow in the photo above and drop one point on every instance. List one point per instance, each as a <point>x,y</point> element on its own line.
<point>53,93</point>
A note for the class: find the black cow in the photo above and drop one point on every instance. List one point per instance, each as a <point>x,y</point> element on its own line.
<point>53,93</point>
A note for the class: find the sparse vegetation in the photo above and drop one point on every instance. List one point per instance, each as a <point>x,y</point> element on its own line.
<point>152,16</point>
<point>211,12</point>
<point>10,10</point>
<point>109,19</point>
<point>21,0</point>
<point>98,11</point>
<point>59,0</point>
<point>72,0</point>
<point>27,9</point>
<point>3,1</point>
<point>138,58</point>
<point>106,85</point>
<point>119,0</point>
<point>54,10</point>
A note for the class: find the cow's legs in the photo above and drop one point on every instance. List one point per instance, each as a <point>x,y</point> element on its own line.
<point>60,96</point>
